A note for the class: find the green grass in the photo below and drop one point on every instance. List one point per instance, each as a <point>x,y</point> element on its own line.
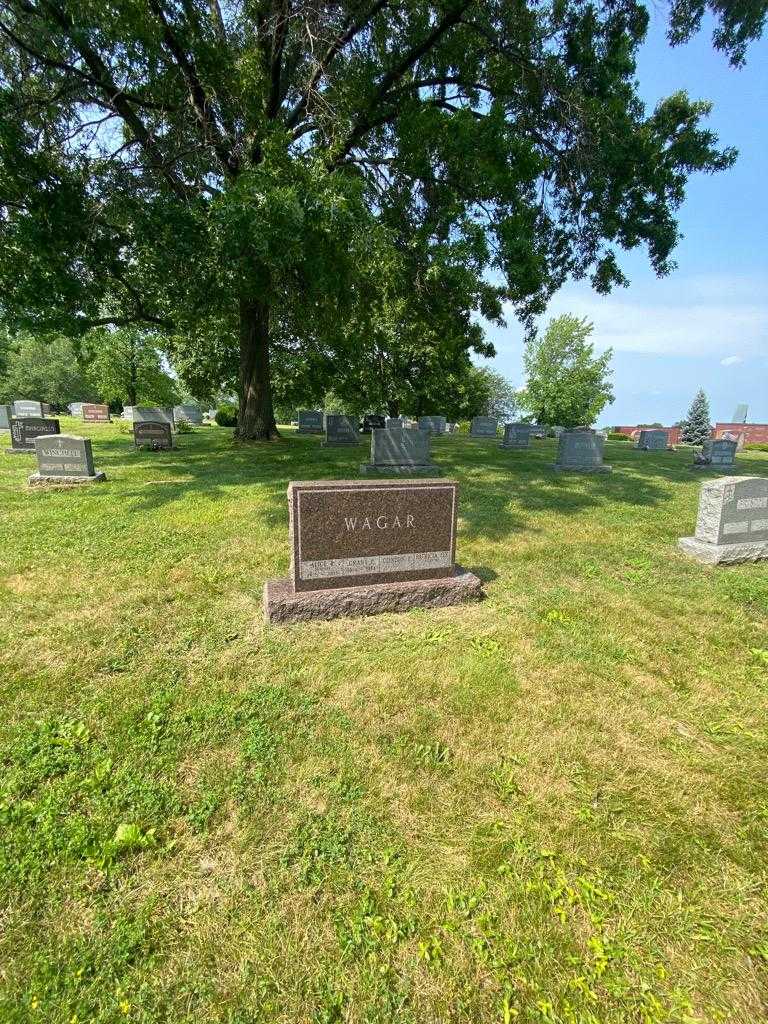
<point>549,807</point>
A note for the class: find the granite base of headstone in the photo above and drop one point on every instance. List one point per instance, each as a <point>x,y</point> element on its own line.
<point>483,426</point>
<point>26,429</point>
<point>154,436</point>
<point>732,524</point>
<point>340,431</point>
<point>367,547</point>
<point>310,421</point>
<point>400,451</point>
<point>716,455</point>
<point>64,461</point>
<point>653,441</point>
<point>516,435</point>
<point>580,451</point>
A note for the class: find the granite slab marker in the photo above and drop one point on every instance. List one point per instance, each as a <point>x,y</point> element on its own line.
<point>310,421</point>
<point>23,409</point>
<point>155,436</point>
<point>6,412</point>
<point>732,524</point>
<point>26,429</point>
<point>95,412</point>
<point>580,451</point>
<point>187,414</point>
<point>153,414</point>
<point>653,441</point>
<point>433,424</point>
<point>516,435</point>
<point>718,454</point>
<point>373,422</point>
<point>400,451</point>
<point>64,460</point>
<point>364,547</point>
<point>340,430</point>
<point>483,426</point>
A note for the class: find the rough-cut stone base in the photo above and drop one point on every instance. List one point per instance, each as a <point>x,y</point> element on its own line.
<point>19,451</point>
<point>402,469</point>
<point>723,554</point>
<point>283,605</point>
<point>582,469</point>
<point>40,480</point>
<point>339,444</point>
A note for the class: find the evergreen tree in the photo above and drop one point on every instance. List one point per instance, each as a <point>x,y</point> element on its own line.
<point>697,427</point>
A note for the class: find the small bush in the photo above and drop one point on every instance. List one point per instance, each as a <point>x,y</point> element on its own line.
<point>226,415</point>
<point>756,446</point>
<point>182,427</point>
<point>616,436</point>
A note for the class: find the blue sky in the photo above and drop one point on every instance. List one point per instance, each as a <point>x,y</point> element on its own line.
<point>706,324</point>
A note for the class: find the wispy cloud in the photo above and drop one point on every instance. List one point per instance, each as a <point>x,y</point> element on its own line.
<point>731,361</point>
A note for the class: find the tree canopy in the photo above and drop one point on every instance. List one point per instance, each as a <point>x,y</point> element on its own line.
<point>256,178</point>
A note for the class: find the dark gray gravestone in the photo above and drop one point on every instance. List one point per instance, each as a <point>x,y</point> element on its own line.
<point>25,430</point>
<point>339,431</point>
<point>653,441</point>
<point>516,435</point>
<point>95,412</point>
<point>373,422</point>
<point>433,424</point>
<point>732,524</point>
<point>359,548</point>
<point>156,436</point>
<point>187,414</point>
<point>310,421</point>
<point>400,451</point>
<point>581,451</point>
<point>62,459</point>
<point>483,426</point>
<point>718,454</point>
<point>6,411</point>
<point>149,414</point>
<point>24,409</point>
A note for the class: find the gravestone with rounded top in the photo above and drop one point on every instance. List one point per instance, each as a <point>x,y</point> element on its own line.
<point>653,440</point>
<point>25,430</point>
<point>717,454</point>
<point>6,412</point>
<point>732,524</point>
<point>156,436</point>
<point>310,421</point>
<point>188,414</point>
<point>340,431</point>
<point>400,451</point>
<point>95,412</point>
<point>580,451</point>
<point>433,424</point>
<point>64,459</point>
<point>364,547</point>
<point>516,435</point>
<point>483,426</point>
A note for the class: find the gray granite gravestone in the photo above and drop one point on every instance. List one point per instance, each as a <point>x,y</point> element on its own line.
<point>339,431</point>
<point>95,412</point>
<point>580,451</point>
<point>732,524</point>
<point>23,409</point>
<point>6,412</point>
<point>188,414</point>
<point>719,454</point>
<point>365,547</point>
<point>393,422</point>
<point>516,435</point>
<point>310,421</point>
<point>153,414</point>
<point>26,429</point>
<point>62,459</point>
<point>434,424</point>
<point>483,426</point>
<point>156,436</point>
<point>75,408</point>
<point>400,451</point>
<point>653,441</point>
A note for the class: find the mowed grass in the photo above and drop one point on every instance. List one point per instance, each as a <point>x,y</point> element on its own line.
<point>549,807</point>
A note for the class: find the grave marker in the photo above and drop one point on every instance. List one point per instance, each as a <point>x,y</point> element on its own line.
<point>310,421</point>
<point>339,431</point>
<point>516,435</point>
<point>580,451</point>
<point>25,430</point>
<point>153,414</point>
<point>187,414</point>
<point>373,422</point>
<point>653,441</point>
<point>732,524</point>
<point>433,424</point>
<point>64,459</point>
<point>716,454</point>
<point>23,409</point>
<point>75,408</point>
<point>364,547</point>
<point>95,412</point>
<point>397,451</point>
<point>6,412</point>
<point>483,426</point>
<point>156,436</point>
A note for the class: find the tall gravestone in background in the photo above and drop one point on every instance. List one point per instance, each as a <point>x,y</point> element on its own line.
<point>310,421</point>
<point>364,547</point>
<point>95,412</point>
<point>732,524</point>
<point>62,459</point>
<point>400,451</point>
<point>433,424</point>
<point>653,440</point>
<point>719,454</point>
<point>340,430</point>
<point>187,414</point>
<point>580,451</point>
<point>25,430</point>
<point>483,426</point>
<point>155,436</point>
<point>6,412</point>
<point>516,435</point>
<point>23,409</point>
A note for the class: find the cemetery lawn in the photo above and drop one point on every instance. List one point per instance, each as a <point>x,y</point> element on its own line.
<point>549,807</point>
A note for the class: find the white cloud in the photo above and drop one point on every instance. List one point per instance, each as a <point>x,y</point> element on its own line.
<point>731,361</point>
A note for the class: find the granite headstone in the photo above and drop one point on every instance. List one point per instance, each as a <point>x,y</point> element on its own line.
<point>6,412</point>
<point>154,435</point>
<point>23,409</point>
<point>64,459</point>
<point>483,426</point>
<point>732,524</point>
<point>310,421</point>
<point>516,435</point>
<point>400,451</point>
<point>153,414</point>
<point>581,451</point>
<point>340,430</point>
<point>719,454</point>
<point>433,424</point>
<point>76,408</point>
<point>188,414</point>
<point>653,440</point>
<point>373,421</point>
<point>26,429</point>
<point>95,412</point>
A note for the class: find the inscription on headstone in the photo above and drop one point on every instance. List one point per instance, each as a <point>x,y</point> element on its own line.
<point>653,440</point>
<point>187,414</point>
<point>25,430</point>
<point>64,459</point>
<point>156,436</point>
<point>23,409</point>
<point>732,524</point>
<point>433,424</point>
<point>400,450</point>
<point>516,435</point>
<point>483,426</point>
<point>310,421</point>
<point>95,412</point>
<point>339,430</point>
<point>581,451</point>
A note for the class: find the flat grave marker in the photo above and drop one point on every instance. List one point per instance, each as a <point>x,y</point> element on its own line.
<point>64,459</point>
<point>732,524</point>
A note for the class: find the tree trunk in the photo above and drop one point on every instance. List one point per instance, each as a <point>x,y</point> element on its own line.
<point>255,418</point>
<point>393,409</point>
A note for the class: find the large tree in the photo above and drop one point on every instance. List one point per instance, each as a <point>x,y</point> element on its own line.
<point>45,370</point>
<point>223,169</point>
